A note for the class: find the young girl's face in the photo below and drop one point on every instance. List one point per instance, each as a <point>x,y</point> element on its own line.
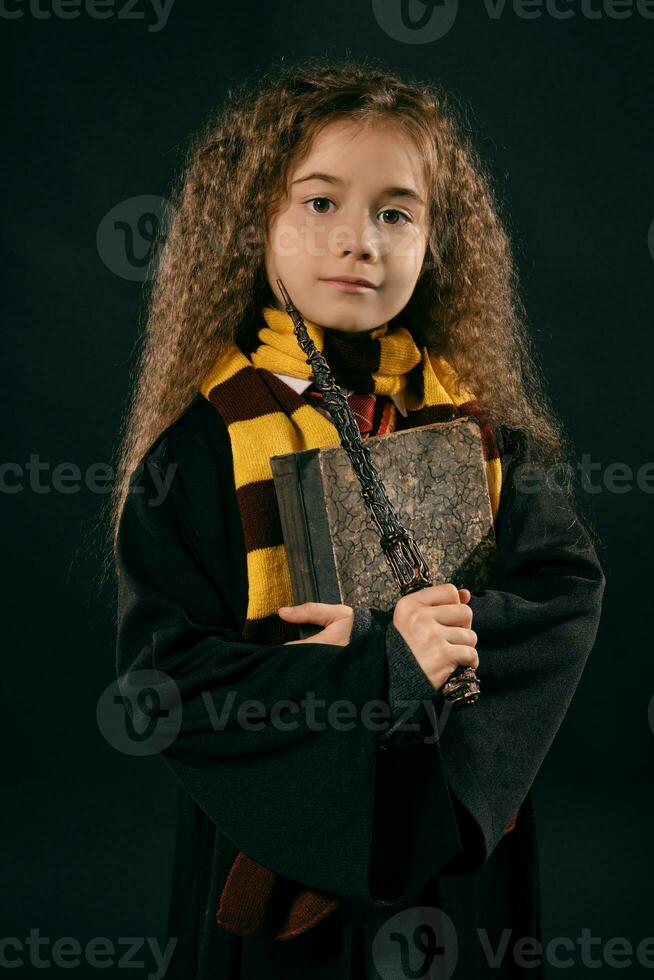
<point>357,207</point>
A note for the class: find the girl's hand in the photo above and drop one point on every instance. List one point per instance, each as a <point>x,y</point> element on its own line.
<point>435,623</point>
<point>337,620</point>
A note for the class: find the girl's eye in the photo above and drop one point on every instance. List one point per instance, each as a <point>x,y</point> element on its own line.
<point>327,201</point>
<point>394,211</point>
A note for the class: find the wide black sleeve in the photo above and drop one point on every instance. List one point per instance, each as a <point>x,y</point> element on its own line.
<point>414,703</point>
<point>536,627</point>
<point>279,745</point>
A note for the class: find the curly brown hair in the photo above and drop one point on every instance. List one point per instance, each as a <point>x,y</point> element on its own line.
<point>210,284</point>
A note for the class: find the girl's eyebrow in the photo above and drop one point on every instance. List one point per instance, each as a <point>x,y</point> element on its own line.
<point>392,191</point>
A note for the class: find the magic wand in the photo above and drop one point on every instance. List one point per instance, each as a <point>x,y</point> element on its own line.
<point>407,562</point>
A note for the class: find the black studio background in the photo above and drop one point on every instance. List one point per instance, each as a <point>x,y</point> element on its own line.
<point>97,111</point>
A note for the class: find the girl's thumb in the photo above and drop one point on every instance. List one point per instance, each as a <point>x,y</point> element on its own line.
<point>312,612</point>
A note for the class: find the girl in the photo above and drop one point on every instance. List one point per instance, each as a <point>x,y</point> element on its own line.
<point>306,847</point>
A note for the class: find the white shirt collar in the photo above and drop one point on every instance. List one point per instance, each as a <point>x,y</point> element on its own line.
<point>301,384</point>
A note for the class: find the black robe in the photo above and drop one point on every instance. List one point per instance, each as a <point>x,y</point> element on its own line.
<point>408,833</point>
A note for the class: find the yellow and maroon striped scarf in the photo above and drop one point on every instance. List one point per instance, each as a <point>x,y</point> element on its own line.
<point>265,417</point>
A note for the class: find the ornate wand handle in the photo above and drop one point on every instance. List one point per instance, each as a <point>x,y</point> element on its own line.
<point>407,562</point>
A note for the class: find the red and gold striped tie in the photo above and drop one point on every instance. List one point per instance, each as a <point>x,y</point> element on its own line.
<point>363,407</point>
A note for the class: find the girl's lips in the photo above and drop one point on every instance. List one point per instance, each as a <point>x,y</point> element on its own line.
<point>349,287</point>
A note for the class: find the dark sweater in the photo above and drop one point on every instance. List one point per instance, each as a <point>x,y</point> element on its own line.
<point>397,828</point>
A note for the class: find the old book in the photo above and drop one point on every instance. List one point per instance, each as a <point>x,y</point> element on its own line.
<point>434,476</point>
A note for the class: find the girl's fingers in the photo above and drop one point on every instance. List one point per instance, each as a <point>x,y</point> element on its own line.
<point>465,655</point>
<point>321,613</point>
<point>445,593</point>
<point>461,636</point>
<point>456,614</point>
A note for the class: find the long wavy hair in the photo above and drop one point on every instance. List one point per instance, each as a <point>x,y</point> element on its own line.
<point>210,283</point>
